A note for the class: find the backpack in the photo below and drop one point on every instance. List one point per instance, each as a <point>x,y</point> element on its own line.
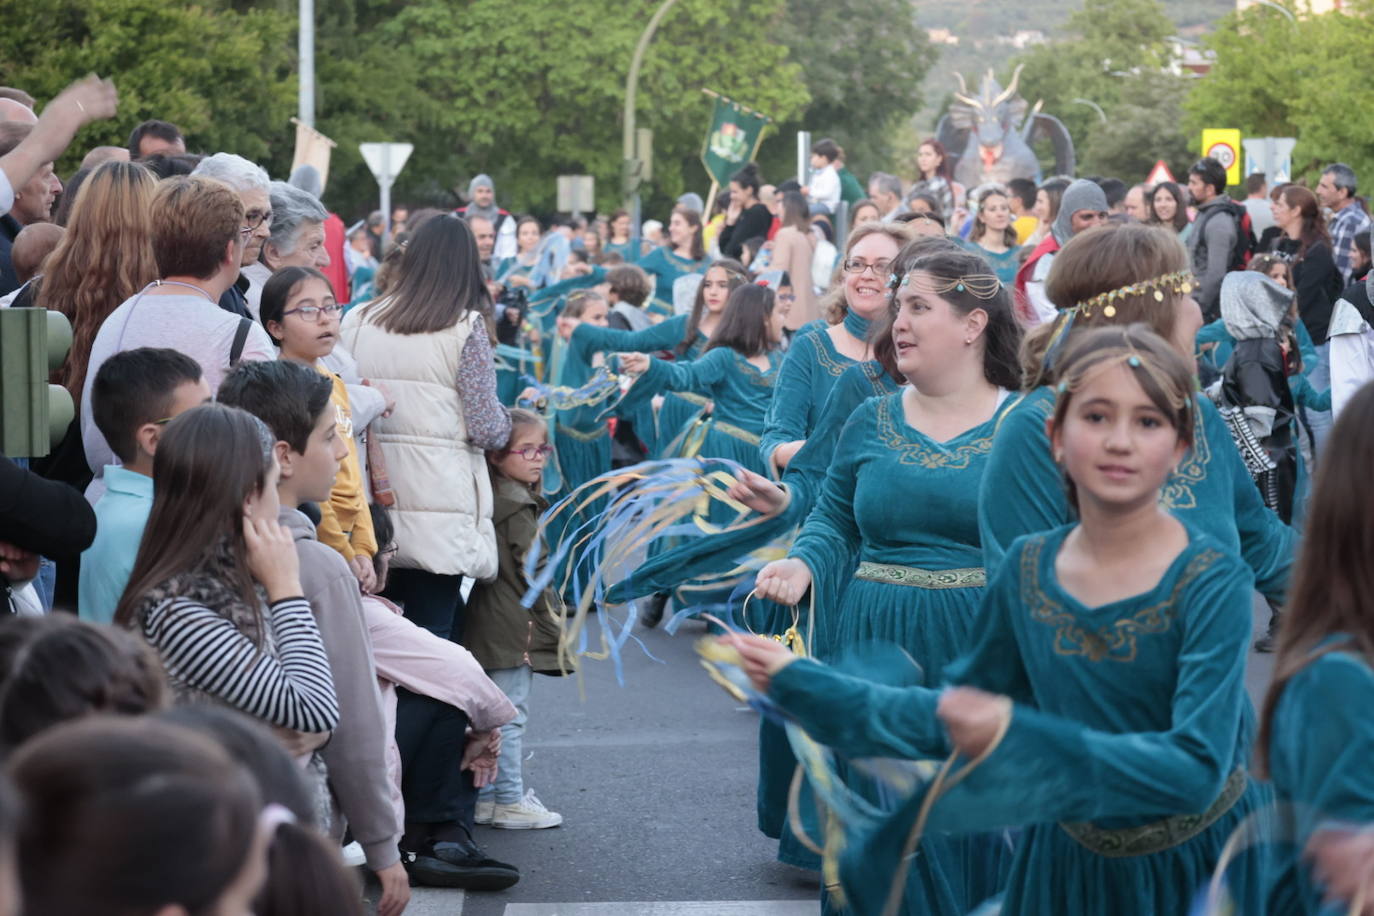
<point>1244,248</point>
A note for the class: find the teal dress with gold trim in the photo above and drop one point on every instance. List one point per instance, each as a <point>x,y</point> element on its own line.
<point>665,267</point>
<point>1126,752</point>
<point>740,392</point>
<point>903,508</point>
<point>1319,760</point>
<point>655,428</point>
<point>808,373</point>
<point>1023,491</point>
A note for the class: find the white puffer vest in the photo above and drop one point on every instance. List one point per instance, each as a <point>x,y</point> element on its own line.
<point>443,493</point>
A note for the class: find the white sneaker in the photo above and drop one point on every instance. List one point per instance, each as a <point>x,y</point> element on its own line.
<point>484,812</point>
<point>353,855</point>
<point>527,814</point>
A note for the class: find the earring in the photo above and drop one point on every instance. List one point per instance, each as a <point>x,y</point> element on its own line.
<point>968,341</point>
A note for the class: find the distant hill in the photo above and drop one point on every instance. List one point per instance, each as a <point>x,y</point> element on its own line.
<point>991,32</point>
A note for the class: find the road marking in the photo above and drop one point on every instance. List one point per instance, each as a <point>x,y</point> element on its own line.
<point>669,908</point>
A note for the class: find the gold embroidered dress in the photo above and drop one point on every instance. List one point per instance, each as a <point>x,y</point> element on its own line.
<point>1125,758</point>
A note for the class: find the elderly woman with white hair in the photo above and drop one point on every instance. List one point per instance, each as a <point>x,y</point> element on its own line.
<point>251,183</point>
<point>296,238</point>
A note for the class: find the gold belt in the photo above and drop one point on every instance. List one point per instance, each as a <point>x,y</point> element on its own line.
<point>973,577</point>
<point>1156,836</point>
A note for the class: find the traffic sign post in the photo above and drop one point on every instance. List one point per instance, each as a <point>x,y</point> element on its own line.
<point>1271,155</point>
<point>1223,145</point>
<point>386,161</point>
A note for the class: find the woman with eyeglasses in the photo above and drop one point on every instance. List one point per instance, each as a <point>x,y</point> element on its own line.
<point>817,357</point>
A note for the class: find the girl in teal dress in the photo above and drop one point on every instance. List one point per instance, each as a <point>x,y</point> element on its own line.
<point>619,242</point>
<point>579,432</point>
<point>815,360</point>
<point>900,500</point>
<point>1114,277</point>
<point>1316,738</point>
<point>736,373</point>
<point>684,254</point>
<point>1105,709</point>
<point>993,236</point>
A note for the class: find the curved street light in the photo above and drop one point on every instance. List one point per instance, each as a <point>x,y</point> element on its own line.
<point>1094,106</point>
<point>628,140</point>
<point>1274,6</point>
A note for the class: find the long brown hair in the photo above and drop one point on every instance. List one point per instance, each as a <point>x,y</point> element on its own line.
<point>737,276</point>
<point>1313,224</point>
<point>693,219</point>
<point>209,460</point>
<point>105,257</point>
<point>1332,590</point>
<point>1009,236</point>
<point>744,327</point>
<point>1102,259</point>
<point>833,304</point>
<point>440,280</point>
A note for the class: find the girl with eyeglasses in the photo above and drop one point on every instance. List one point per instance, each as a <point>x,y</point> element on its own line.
<point>299,313</point>
<point>507,638</point>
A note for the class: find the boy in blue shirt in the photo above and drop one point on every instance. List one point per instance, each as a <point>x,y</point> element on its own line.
<point>134,395</point>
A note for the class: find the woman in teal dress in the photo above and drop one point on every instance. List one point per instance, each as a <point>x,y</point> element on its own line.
<point>1117,276</point>
<point>815,360</point>
<point>736,373</point>
<point>1317,739</point>
<point>900,500</point>
<point>684,254</point>
<point>516,270</point>
<point>993,235</point>
<point>619,241</point>
<point>1105,706</point>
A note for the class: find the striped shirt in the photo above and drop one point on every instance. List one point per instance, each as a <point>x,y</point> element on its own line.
<point>205,651</point>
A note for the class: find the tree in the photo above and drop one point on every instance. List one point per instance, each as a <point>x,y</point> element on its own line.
<point>1145,126</point>
<point>1116,59</point>
<point>864,64</point>
<point>1279,78</point>
<point>525,92</point>
<point>224,77</point>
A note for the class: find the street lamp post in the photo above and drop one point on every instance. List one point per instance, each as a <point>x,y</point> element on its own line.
<point>1274,6</point>
<point>630,167</point>
<point>305,47</point>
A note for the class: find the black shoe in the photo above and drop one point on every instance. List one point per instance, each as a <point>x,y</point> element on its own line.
<point>1266,642</point>
<point>462,865</point>
<point>651,613</point>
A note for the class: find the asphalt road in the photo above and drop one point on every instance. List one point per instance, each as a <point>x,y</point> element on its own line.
<point>655,781</point>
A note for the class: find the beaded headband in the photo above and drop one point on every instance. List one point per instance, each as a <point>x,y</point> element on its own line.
<point>1129,356</point>
<point>1181,282</point>
<point>982,286</point>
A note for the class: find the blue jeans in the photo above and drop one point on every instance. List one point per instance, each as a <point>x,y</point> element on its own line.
<point>509,787</point>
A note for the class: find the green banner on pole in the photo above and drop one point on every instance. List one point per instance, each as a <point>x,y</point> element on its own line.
<point>732,139</point>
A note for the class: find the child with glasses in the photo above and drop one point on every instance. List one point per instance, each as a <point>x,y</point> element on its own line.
<point>300,314</point>
<point>510,641</point>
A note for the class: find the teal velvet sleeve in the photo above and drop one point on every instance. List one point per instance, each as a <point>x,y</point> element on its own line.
<point>662,336</point>
<point>1323,742</point>
<point>858,717</point>
<point>1051,768</point>
<point>1022,490</point>
<point>789,412</point>
<point>699,375</point>
<point>994,662</point>
<point>830,530</point>
<point>1307,396</point>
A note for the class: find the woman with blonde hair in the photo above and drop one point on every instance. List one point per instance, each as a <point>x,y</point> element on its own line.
<point>818,356</point>
<point>105,257</point>
<point>1118,276</point>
